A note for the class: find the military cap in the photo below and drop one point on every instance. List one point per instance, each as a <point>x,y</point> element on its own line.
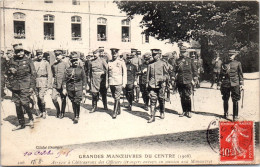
<point>9,51</point>
<point>165,55</point>
<point>101,49</point>
<point>39,51</point>
<point>138,52</point>
<point>64,51</point>
<point>156,51</point>
<point>147,56</point>
<point>57,52</point>
<point>232,52</point>
<point>74,55</point>
<point>133,50</point>
<point>82,55</point>
<point>114,50</point>
<point>18,46</point>
<point>183,49</point>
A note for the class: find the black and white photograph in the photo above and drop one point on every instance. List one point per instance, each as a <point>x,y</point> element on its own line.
<point>115,82</point>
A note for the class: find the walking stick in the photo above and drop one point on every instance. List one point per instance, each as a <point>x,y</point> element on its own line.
<point>242,98</point>
<point>68,108</point>
<point>35,105</point>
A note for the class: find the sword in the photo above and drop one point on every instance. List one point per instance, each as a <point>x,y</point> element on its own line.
<point>242,98</point>
<point>35,105</point>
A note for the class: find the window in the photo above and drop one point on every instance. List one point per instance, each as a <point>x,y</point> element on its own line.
<point>48,1</point>
<point>76,28</point>
<point>101,29</point>
<point>146,37</point>
<point>75,2</point>
<point>125,31</point>
<point>48,27</point>
<point>19,25</point>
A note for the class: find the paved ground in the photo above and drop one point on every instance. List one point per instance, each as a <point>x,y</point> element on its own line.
<point>130,131</point>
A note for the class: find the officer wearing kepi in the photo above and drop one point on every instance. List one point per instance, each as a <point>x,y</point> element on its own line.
<point>98,79</point>
<point>156,77</point>
<point>185,73</point>
<point>43,80</point>
<point>131,81</point>
<point>137,61</point>
<point>117,78</point>
<point>231,82</point>
<point>74,84</point>
<point>22,81</point>
<point>143,79</point>
<point>58,72</point>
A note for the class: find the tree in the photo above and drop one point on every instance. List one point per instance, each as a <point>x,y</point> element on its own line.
<point>217,25</point>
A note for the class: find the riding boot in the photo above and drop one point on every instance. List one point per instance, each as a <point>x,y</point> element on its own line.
<point>118,108</point>
<point>235,110</point>
<point>43,111</point>
<point>162,108</point>
<point>94,103</point>
<point>115,109</point>
<point>130,102</point>
<point>20,116</point>
<point>225,105</point>
<point>63,106</point>
<point>57,106</point>
<point>152,118</point>
<point>29,112</point>
<point>39,103</point>
<point>188,107</point>
<point>104,100</point>
<point>183,108</point>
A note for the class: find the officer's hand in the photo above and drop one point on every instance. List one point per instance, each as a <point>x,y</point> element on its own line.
<point>64,91</point>
<point>144,70</point>
<point>135,83</point>
<point>241,87</point>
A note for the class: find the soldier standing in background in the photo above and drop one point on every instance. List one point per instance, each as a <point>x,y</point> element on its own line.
<point>137,61</point>
<point>74,84</point>
<point>43,81</point>
<point>185,72</point>
<point>98,80</point>
<point>131,81</point>
<point>3,71</point>
<point>143,80</point>
<point>231,82</point>
<point>156,77</point>
<point>216,62</point>
<point>22,76</point>
<point>199,66</point>
<point>58,72</point>
<point>117,78</point>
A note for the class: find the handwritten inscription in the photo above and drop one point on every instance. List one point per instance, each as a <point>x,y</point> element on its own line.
<point>57,153</point>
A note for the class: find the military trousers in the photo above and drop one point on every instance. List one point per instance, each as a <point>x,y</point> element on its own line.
<point>233,90</point>
<point>185,92</point>
<point>116,91</point>
<point>145,93</point>
<point>75,96</point>
<point>156,94</point>
<point>57,93</point>
<point>129,93</point>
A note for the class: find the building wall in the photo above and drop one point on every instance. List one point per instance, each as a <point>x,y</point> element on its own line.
<point>89,11</point>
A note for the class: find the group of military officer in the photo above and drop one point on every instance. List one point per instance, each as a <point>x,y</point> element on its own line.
<point>152,75</point>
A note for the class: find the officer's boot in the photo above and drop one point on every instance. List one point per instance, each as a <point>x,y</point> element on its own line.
<point>20,117</point>
<point>188,108</point>
<point>43,111</point>
<point>235,110</point>
<point>63,107</point>
<point>94,103</point>
<point>118,108</point>
<point>146,103</point>
<point>104,100</point>
<point>130,101</point>
<point>152,119</point>
<point>39,103</point>
<point>183,108</point>
<point>225,105</point>
<point>74,109</point>
<point>57,106</point>
<point>115,109</point>
<point>137,94</point>
<point>162,108</point>
<point>29,112</point>
<point>77,107</point>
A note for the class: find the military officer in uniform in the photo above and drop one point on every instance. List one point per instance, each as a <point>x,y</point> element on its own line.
<point>74,84</point>
<point>58,72</point>
<point>231,82</point>
<point>185,73</point>
<point>21,72</point>
<point>131,81</point>
<point>143,80</point>
<point>198,64</point>
<point>43,80</point>
<point>102,54</point>
<point>117,78</point>
<point>216,62</point>
<point>137,61</point>
<point>156,77</point>
<point>98,79</point>
<point>3,70</point>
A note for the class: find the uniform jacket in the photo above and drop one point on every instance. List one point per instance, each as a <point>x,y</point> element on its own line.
<point>74,79</point>
<point>58,72</point>
<point>185,70</point>
<point>169,70</point>
<point>21,73</point>
<point>143,73</point>
<point>231,74</point>
<point>131,73</point>
<point>157,73</point>
<point>216,65</point>
<point>137,62</point>
<point>117,73</point>
<point>43,73</point>
<point>199,65</point>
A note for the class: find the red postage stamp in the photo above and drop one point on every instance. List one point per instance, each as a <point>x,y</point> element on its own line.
<point>236,141</point>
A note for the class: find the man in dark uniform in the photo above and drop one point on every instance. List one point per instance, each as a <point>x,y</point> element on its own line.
<point>117,79</point>
<point>131,81</point>
<point>231,82</point>
<point>21,72</point>
<point>143,80</point>
<point>58,72</point>
<point>185,73</point>
<point>216,62</point>
<point>43,80</point>
<point>198,64</point>
<point>74,84</point>
<point>98,80</point>
<point>137,61</point>
<point>156,77</point>
<point>3,71</point>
